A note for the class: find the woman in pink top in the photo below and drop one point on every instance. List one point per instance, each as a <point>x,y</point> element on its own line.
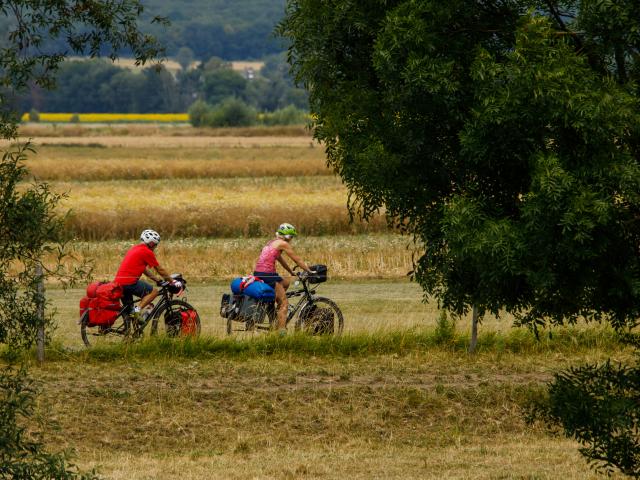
<point>266,268</point>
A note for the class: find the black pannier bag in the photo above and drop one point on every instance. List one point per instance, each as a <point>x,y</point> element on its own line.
<point>230,306</point>
<point>251,310</point>
<point>320,275</point>
<point>226,304</point>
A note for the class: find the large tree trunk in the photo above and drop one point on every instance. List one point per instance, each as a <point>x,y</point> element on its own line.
<point>474,330</point>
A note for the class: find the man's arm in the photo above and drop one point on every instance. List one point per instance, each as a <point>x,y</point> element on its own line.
<point>163,274</point>
<point>293,256</point>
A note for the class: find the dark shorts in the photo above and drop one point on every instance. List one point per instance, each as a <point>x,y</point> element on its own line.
<point>270,278</point>
<point>139,289</point>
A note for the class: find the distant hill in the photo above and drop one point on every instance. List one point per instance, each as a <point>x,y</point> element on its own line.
<point>229,29</point>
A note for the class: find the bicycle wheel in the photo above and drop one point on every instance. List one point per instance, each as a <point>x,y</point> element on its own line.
<point>93,335</point>
<point>262,322</point>
<point>320,317</point>
<point>170,320</point>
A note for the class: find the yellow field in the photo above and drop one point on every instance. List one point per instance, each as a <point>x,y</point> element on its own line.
<point>110,117</point>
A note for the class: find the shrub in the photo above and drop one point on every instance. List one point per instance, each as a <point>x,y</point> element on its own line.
<point>289,115</point>
<point>199,113</point>
<point>232,112</point>
<point>34,115</point>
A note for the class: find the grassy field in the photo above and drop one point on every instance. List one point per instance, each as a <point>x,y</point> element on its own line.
<point>418,413</point>
<point>352,257</point>
<point>59,162</point>
<point>396,397</point>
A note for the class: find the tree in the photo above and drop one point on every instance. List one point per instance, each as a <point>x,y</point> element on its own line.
<point>222,83</point>
<point>29,226</point>
<point>505,141</point>
<point>86,26</point>
<point>597,405</point>
<point>184,57</point>
<point>505,137</point>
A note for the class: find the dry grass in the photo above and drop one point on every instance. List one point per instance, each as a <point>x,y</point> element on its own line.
<point>93,163</point>
<point>209,207</point>
<point>52,131</point>
<point>203,260</point>
<point>426,415</point>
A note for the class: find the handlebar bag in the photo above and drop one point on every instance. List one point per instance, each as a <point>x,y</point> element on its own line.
<point>321,274</point>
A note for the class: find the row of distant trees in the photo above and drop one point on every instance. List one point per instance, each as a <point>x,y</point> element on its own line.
<point>99,86</point>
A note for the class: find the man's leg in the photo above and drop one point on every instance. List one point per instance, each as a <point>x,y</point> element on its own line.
<point>147,299</point>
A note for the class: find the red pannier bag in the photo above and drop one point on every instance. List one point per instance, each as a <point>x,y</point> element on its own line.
<point>84,305</point>
<point>109,290</point>
<point>92,289</point>
<point>188,324</point>
<point>103,311</point>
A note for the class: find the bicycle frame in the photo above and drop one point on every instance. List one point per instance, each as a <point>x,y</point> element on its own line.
<point>125,314</point>
<point>307,297</point>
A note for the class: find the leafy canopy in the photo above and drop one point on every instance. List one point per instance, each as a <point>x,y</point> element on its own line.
<point>84,27</point>
<point>503,135</point>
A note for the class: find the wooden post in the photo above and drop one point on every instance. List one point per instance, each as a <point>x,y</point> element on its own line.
<point>40,333</point>
<point>474,330</point>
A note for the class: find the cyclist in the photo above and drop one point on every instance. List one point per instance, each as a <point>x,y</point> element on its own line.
<point>138,260</point>
<point>266,268</point>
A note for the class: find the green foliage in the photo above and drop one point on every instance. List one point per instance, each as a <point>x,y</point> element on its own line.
<point>221,83</point>
<point>231,30</point>
<point>565,340</point>
<point>505,141</point>
<point>95,86</point>
<point>232,112</point>
<point>199,113</point>
<point>289,115</point>
<point>184,56</point>
<point>22,453</point>
<point>445,328</point>
<point>34,115</point>
<point>597,405</point>
<point>29,227</point>
<point>86,27</point>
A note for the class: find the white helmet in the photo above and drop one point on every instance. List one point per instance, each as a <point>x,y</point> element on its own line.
<point>150,236</point>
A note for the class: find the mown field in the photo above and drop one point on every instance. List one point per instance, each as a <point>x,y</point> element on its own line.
<point>396,397</point>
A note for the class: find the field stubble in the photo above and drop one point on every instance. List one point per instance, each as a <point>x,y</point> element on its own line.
<point>228,207</point>
<point>98,163</point>
<point>432,414</point>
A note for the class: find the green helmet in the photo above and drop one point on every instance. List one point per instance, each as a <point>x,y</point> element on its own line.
<point>287,230</point>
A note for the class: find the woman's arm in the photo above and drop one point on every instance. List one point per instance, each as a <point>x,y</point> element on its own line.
<point>285,265</point>
<point>286,248</point>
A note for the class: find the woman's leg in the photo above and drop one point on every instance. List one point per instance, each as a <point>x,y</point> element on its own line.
<point>283,305</point>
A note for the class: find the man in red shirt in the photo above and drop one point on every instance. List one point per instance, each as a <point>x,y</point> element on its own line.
<point>138,260</point>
